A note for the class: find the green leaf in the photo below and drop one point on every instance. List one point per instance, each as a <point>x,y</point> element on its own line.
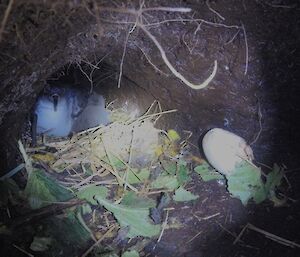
<point>89,193</point>
<point>207,173</point>
<point>4,230</point>
<point>182,195</point>
<point>41,244</point>
<point>168,181</point>
<point>9,190</point>
<point>137,219</point>
<point>111,254</point>
<point>133,200</point>
<point>130,254</point>
<point>135,177</point>
<point>68,234</point>
<point>173,135</point>
<point>170,167</point>
<point>274,178</point>
<point>259,194</point>
<point>86,209</point>
<point>42,190</point>
<point>245,183</point>
<point>117,163</point>
<point>182,173</point>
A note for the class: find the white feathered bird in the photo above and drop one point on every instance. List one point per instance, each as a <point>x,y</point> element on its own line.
<point>63,110</point>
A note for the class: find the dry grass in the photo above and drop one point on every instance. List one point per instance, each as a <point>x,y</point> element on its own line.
<point>94,156</point>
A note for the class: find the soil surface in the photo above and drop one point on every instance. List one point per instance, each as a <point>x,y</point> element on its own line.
<point>254,94</point>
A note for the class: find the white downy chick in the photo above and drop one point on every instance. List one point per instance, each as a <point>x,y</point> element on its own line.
<point>94,114</point>
<point>53,119</point>
<point>62,110</point>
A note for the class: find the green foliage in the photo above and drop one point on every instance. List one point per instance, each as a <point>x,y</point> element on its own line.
<point>173,135</point>
<point>182,195</point>
<point>116,162</point>
<point>137,218</point>
<point>132,253</point>
<point>182,173</point>
<point>9,190</point>
<point>274,178</point>
<point>207,173</point>
<point>245,183</point>
<point>165,181</point>
<point>41,244</point>
<point>133,200</point>
<point>89,193</point>
<point>68,235</point>
<point>135,176</point>
<point>86,209</point>
<point>170,167</point>
<point>42,190</point>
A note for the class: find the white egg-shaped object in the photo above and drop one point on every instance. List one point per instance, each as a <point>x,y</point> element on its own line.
<point>225,150</point>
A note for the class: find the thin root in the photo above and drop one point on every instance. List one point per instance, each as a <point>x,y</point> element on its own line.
<point>173,70</point>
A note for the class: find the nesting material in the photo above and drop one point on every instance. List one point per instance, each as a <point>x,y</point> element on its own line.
<point>131,142</point>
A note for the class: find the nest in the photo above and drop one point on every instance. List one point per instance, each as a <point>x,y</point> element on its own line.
<point>107,153</point>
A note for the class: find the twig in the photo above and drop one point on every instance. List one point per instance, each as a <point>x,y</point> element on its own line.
<point>153,65</point>
<point>233,38</point>
<point>195,20</point>
<point>193,238</point>
<point>113,170</point>
<point>191,49</point>
<point>84,181</point>
<point>85,226</point>
<point>273,237</point>
<point>260,124</point>
<point>159,192</point>
<point>292,170</point>
<point>210,216</point>
<point>153,115</point>
<point>43,212</point>
<point>103,182</point>
<point>23,251</point>
<point>134,11</point>
<point>122,60</point>
<point>99,241</point>
<point>240,234</point>
<point>168,9</point>
<point>215,24</point>
<point>173,70</point>
<point>225,229</point>
<point>279,5</point>
<point>12,172</point>
<point>27,160</point>
<point>214,11</point>
<point>164,225</point>
<point>207,217</point>
<point>5,17</point>
<point>268,235</point>
<point>246,49</point>
<point>87,76</point>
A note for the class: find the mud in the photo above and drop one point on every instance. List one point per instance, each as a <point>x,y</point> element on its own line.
<point>48,40</point>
